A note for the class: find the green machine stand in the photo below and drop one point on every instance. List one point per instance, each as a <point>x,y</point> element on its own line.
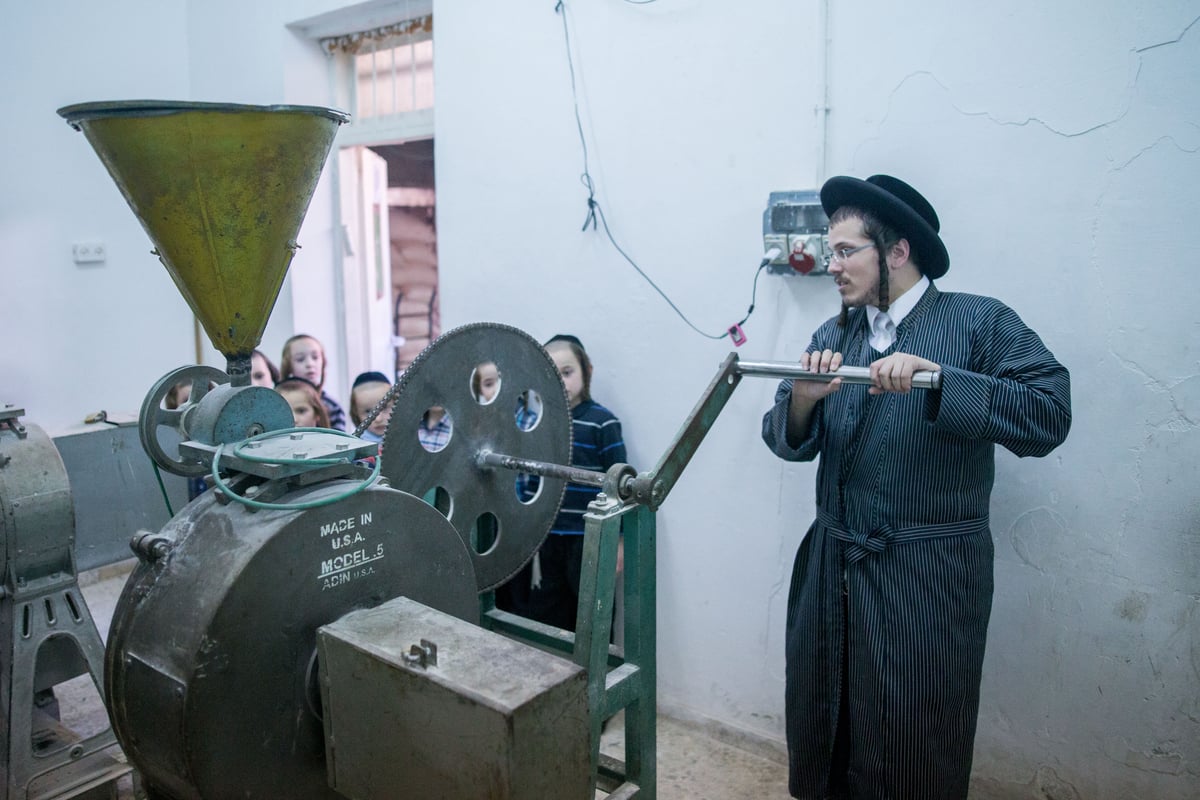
<point>618,678</point>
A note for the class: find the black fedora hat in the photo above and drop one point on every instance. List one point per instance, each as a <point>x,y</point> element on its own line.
<point>900,206</point>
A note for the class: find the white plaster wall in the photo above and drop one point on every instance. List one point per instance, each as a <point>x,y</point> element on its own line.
<point>1064,140</point>
<point>689,127</point>
<point>691,120</point>
<point>1058,142</point>
<point>93,337</point>
<point>81,338</point>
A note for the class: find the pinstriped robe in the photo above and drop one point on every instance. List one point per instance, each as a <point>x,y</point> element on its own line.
<point>892,586</point>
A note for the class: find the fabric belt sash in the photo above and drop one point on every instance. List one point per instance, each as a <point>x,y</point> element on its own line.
<point>876,541</point>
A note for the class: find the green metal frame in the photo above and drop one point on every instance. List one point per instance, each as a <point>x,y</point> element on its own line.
<point>618,678</point>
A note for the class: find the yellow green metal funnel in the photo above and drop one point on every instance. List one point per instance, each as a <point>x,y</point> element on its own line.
<point>221,189</point>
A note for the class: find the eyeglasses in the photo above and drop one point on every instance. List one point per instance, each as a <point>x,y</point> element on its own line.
<point>840,255</point>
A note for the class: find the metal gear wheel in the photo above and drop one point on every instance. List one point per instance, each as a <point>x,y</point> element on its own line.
<point>501,525</point>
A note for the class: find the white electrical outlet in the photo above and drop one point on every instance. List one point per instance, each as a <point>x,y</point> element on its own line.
<point>779,241</point>
<point>89,252</point>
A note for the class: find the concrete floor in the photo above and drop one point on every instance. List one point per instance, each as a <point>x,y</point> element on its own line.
<point>691,764</point>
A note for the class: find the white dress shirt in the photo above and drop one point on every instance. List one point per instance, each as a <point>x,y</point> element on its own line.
<point>883,323</point>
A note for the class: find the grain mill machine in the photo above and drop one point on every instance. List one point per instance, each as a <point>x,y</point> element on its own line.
<point>310,627</point>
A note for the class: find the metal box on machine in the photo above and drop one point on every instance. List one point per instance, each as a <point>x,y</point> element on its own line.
<point>420,704</point>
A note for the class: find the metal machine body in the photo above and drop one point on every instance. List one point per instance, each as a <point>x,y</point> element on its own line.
<point>106,461</point>
<point>47,634</point>
<point>211,665</point>
<point>218,620</point>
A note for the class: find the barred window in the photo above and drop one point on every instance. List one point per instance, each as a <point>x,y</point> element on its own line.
<point>393,68</point>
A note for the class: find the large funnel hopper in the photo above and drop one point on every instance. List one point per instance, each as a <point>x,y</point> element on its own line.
<point>221,190</point>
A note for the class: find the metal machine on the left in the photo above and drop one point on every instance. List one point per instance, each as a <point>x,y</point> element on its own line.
<point>47,634</point>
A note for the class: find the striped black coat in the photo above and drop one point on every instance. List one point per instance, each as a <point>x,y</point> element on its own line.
<point>892,586</point>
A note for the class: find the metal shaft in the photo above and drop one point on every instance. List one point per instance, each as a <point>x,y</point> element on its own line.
<point>585,477</point>
<point>784,369</point>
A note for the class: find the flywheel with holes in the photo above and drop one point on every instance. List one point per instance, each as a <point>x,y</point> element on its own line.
<point>444,418</point>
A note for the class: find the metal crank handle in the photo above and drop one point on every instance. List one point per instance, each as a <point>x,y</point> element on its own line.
<point>783,369</point>
<point>586,477</point>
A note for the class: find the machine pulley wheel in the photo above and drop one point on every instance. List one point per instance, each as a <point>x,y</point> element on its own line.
<point>155,416</point>
<point>500,518</point>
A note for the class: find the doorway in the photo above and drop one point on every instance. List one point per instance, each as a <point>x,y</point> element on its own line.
<point>389,254</point>
<point>387,281</point>
<point>413,233</point>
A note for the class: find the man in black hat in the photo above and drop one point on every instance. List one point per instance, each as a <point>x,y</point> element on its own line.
<point>892,586</point>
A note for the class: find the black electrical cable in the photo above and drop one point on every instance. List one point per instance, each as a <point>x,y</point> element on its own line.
<point>754,290</point>
<point>594,209</point>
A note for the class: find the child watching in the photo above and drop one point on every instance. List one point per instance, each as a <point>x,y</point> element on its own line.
<point>307,409</point>
<point>304,357</point>
<point>262,371</point>
<point>547,589</point>
<point>369,389</point>
<point>485,382</point>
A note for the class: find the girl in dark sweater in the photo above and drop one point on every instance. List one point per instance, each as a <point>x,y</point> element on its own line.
<point>547,589</point>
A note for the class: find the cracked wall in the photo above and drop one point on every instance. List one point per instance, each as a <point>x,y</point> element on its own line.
<point>1069,140</point>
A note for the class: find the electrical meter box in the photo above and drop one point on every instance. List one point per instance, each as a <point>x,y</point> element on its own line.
<point>420,704</point>
<point>795,224</point>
